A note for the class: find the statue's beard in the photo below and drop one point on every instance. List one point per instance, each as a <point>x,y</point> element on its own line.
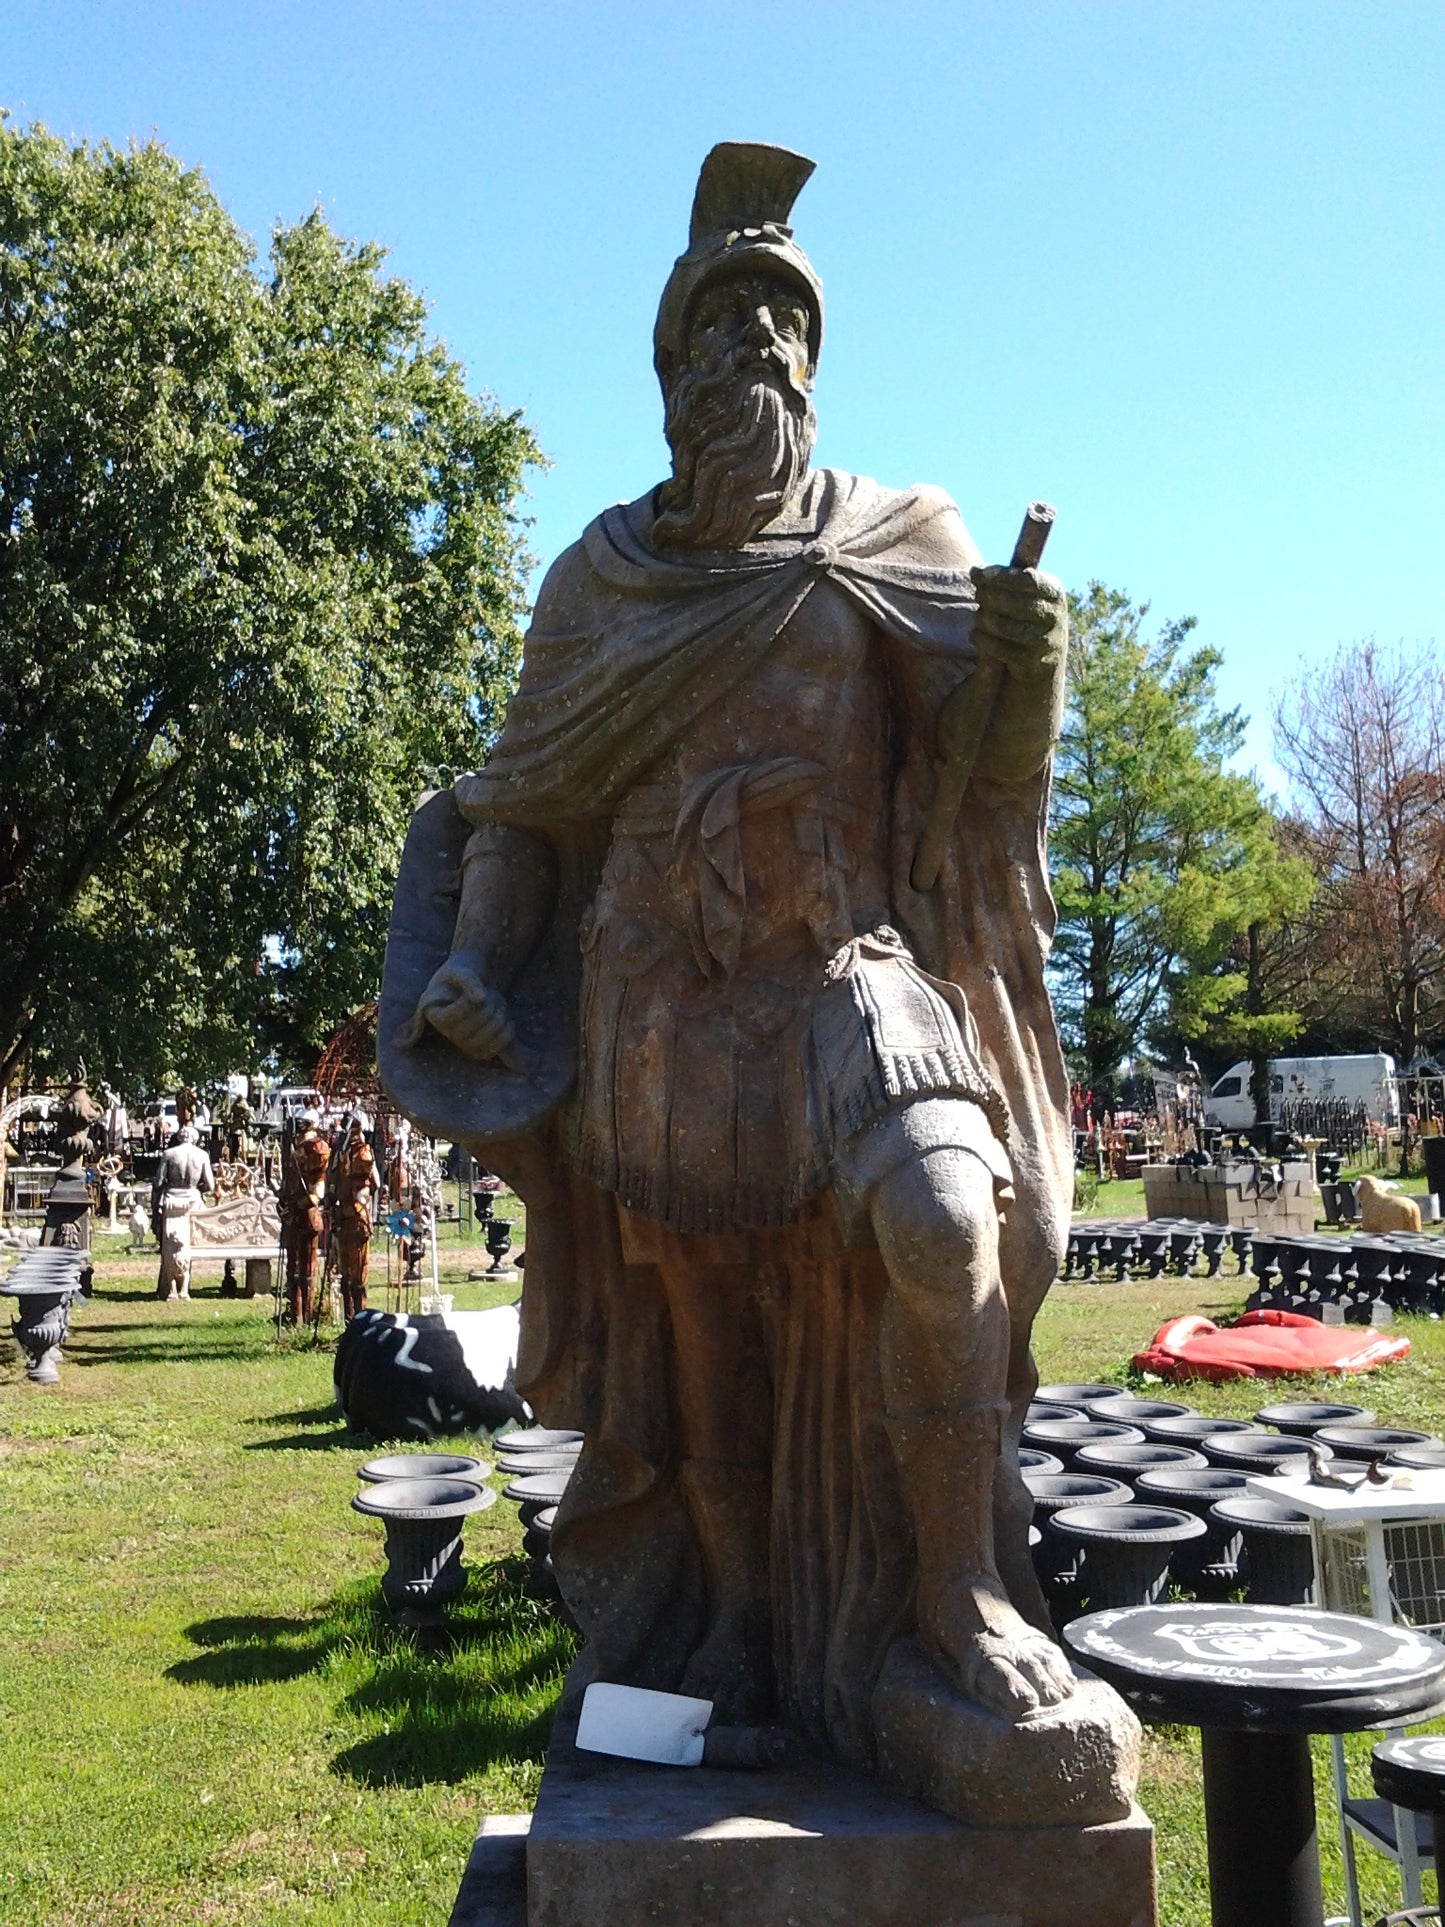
<point>741,432</point>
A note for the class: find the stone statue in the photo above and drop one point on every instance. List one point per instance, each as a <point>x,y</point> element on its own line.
<point>791,1132</point>
<point>182,1178</point>
<point>303,1183</point>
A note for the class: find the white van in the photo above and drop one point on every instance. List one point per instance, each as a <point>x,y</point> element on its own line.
<point>288,1103</point>
<point>1367,1079</point>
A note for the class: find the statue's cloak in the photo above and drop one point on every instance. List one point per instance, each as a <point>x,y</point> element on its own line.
<point>627,648</point>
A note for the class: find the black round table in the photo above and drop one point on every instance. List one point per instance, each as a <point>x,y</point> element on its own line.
<point>1409,1772</point>
<point>1258,1680</point>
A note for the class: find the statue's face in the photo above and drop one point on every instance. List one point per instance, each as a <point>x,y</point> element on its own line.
<point>739,418</point>
<point>760,313</point>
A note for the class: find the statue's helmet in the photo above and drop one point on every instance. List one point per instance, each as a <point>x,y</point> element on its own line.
<point>745,193</point>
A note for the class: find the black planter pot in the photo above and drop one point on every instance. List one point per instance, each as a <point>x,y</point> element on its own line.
<point>524,1464</point>
<point>537,1539</point>
<point>1125,1549</point>
<point>1031,1459</point>
<point>41,1329</point>
<point>1305,1419</point>
<point>1115,1461</point>
<point>44,1283</point>
<point>1123,1408</point>
<point>1366,1443</point>
<point>1056,1560</point>
<point>1042,1408</point>
<point>1278,1562</point>
<point>423,1520</point>
<point>1261,1452</point>
<point>1063,1436</point>
<point>534,1492</point>
<point>424,1465</point>
<point>1207,1566</point>
<point>1190,1431</point>
<point>1076,1396</point>
<point>1417,1458</point>
<point>535,1438</point>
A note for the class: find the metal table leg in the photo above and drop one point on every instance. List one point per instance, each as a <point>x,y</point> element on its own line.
<point>1259,1804</point>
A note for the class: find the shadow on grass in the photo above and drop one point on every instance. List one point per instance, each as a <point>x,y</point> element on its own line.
<point>307,1442</point>
<point>317,1415</point>
<point>181,1353</point>
<point>426,1716</point>
<point>251,1651</point>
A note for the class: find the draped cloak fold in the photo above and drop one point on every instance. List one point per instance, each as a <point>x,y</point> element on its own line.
<point>628,647</point>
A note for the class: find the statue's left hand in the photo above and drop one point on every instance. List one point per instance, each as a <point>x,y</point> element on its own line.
<point>1022,621</point>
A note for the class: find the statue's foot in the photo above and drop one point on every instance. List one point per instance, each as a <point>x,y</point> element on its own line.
<point>733,1667</point>
<point>994,1655</point>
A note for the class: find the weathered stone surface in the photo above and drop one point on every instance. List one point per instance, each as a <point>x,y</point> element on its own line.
<point>1075,1764</point>
<point>732,961</point>
<point>614,1844</point>
<point>493,1892</point>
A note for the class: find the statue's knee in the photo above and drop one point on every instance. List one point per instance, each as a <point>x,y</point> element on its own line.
<point>937,1210</point>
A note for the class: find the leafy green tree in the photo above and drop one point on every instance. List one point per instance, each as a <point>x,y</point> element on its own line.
<point>1162,858</point>
<point>260,567</point>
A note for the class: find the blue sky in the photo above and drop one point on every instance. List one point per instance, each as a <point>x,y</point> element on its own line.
<point>1176,267</point>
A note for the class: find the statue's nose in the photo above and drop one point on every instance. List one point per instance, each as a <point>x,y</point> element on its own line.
<point>760,328</point>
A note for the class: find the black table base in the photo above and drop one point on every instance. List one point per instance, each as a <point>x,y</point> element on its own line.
<point>1259,1810</point>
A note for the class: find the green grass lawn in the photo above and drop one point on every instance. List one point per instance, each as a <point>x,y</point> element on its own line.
<point>205,1717</point>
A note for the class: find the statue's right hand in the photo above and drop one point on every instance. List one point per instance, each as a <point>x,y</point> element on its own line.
<point>467,1011</point>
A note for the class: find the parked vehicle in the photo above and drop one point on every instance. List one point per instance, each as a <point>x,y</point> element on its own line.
<point>1367,1078</point>
<point>290,1102</point>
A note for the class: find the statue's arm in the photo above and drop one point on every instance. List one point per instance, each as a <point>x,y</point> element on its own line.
<point>1022,626</point>
<point>508,892</point>
<point>1024,619</point>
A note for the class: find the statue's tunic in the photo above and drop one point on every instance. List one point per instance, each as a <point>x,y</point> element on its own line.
<point>719,1068</point>
<point>729,758</point>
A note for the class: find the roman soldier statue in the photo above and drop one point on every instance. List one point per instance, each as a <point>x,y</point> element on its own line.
<point>787,1112</point>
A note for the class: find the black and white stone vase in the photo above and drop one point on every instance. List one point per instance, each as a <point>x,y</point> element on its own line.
<point>423,1375</point>
<point>423,1519</point>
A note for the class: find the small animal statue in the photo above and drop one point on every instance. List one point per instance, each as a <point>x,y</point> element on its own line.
<point>140,1225</point>
<point>1382,1208</point>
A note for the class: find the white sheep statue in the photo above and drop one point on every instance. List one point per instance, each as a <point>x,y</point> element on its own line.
<point>1382,1208</point>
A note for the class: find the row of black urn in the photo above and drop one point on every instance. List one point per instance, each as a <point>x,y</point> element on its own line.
<point>1356,1279</point>
<point>1133,1496</point>
<point>424,1498</point>
<point>1152,1246</point>
<point>539,1464</point>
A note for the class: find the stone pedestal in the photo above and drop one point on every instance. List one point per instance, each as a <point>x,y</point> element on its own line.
<point>613,1843</point>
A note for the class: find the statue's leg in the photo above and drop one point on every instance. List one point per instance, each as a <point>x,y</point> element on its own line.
<point>945,1360</point>
<point>724,1422</point>
<point>1031,1246</point>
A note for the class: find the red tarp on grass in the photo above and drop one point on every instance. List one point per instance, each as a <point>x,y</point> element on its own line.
<point>1265,1344</point>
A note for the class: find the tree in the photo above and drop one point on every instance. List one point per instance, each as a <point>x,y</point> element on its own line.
<point>1363,744</point>
<point>260,566</point>
<point>1162,858</point>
